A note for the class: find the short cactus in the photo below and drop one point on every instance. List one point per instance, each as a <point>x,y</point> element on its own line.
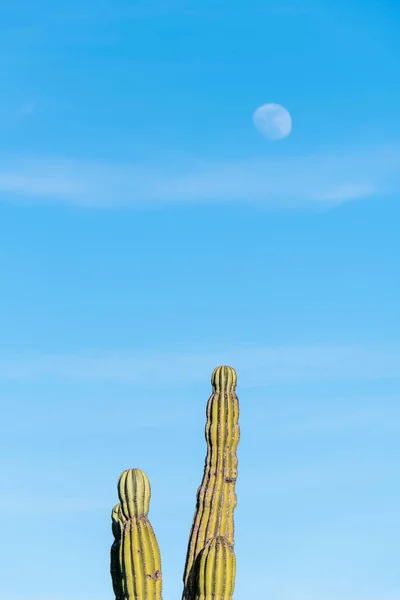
<point>116,573</point>
<point>135,556</point>
<point>215,571</point>
<point>210,562</point>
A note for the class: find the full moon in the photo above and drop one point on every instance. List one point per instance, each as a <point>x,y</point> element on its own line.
<point>273,121</point>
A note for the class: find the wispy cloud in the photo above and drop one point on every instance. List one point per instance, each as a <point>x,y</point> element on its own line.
<point>256,366</point>
<point>324,179</point>
<point>146,9</point>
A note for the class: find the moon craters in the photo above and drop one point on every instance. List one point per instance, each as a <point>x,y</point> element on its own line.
<point>273,121</point>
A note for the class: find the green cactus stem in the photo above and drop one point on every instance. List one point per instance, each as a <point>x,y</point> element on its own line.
<point>216,497</point>
<point>215,571</point>
<point>135,555</point>
<point>140,561</point>
<point>116,574</point>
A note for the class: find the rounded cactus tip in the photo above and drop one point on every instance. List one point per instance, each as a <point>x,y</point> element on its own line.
<point>134,493</point>
<point>116,512</point>
<point>117,520</point>
<point>219,542</point>
<point>133,477</point>
<point>216,556</point>
<point>224,377</point>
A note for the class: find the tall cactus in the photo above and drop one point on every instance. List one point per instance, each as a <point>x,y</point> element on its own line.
<point>216,497</point>
<point>210,561</point>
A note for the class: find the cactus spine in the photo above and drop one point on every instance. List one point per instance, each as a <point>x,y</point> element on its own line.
<point>210,567</point>
<point>135,556</point>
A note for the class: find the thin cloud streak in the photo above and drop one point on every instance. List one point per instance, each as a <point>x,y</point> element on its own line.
<point>322,180</point>
<point>257,366</point>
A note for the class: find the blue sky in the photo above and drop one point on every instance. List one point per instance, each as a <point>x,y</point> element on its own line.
<point>150,233</point>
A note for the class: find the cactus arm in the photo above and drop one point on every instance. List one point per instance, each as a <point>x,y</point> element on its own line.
<point>215,571</point>
<point>115,571</point>
<point>216,498</point>
<point>116,575</point>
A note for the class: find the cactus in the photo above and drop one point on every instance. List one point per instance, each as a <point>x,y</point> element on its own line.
<point>116,573</point>
<point>216,498</point>
<point>215,570</point>
<point>135,556</point>
<point>134,493</point>
<point>210,561</point>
